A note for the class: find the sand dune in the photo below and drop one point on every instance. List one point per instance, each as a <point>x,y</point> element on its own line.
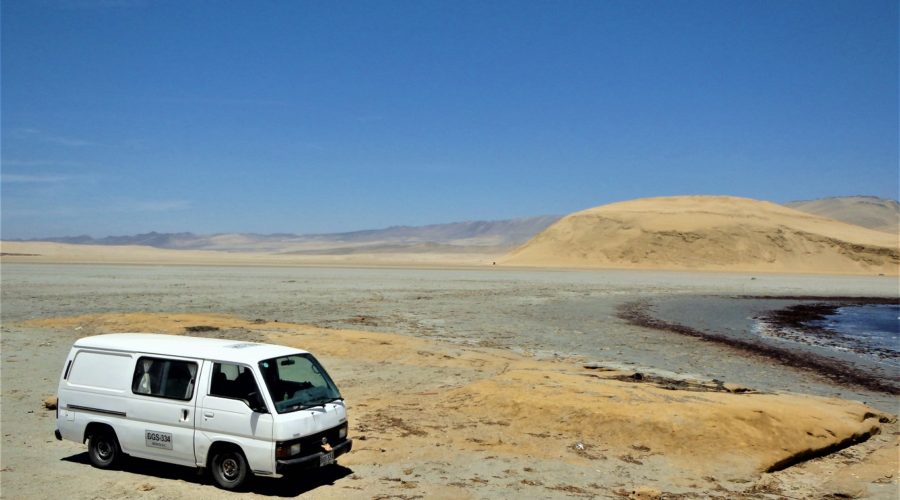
<point>719,233</point>
<point>867,211</point>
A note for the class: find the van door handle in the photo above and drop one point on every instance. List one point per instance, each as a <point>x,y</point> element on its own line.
<point>184,415</point>
<point>209,414</point>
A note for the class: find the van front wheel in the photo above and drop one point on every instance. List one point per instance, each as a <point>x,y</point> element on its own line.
<point>229,469</point>
<point>103,449</point>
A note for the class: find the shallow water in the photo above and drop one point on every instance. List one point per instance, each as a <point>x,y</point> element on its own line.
<point>873,328</point>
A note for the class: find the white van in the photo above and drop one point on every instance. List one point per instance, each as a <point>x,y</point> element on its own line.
<point>236,408</point>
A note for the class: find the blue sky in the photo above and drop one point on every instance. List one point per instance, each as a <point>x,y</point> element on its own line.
<point>127,116</point>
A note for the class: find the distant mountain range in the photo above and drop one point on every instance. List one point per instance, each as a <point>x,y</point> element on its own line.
<point>472,236</point>
<point>867,211</point>
<point>452,237</point>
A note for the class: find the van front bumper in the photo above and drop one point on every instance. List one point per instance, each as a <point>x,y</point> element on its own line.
<point>310,461</point>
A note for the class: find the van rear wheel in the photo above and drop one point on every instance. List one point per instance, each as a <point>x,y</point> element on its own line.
<point>229,468</point>
<point>103,449</point>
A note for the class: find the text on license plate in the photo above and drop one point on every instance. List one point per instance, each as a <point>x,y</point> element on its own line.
<point>326,459</point>
<point>157,439</point>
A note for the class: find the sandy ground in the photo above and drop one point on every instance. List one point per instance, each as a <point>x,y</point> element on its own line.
<point>61,253</point>
<point>464,383</point>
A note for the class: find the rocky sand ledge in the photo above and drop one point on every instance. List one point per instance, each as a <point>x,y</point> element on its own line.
<point>440,419</point>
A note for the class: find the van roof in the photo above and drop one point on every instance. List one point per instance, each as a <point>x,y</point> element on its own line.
<point>236,351</point>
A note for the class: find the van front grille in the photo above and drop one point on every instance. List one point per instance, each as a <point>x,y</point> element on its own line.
<point>313,443</point>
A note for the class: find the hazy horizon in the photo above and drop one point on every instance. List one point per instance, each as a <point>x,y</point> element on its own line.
<point>532,218</point>
<point>277,233</point>
<point>129,117</point>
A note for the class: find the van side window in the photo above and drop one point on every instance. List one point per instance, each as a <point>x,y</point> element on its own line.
<point>232,381</point>
<point>165,378</point>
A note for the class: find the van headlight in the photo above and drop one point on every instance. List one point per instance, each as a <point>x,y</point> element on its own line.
<point>285,451</point>
<point>343,432</point>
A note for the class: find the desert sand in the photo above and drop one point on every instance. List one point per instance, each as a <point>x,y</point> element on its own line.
<point>466,380</point>
<point>466,402</point>
<point>65,253</point>
<point>428,405</point>
<point>719,233</point>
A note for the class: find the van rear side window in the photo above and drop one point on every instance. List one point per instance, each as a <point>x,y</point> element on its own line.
<point>164,378</point>
<point>92,369</point>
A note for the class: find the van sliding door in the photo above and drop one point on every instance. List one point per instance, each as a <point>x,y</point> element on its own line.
<point>162,410</point>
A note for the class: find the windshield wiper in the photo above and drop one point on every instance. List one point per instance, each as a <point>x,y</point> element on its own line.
<point>324,401</point>
<point>313,404</point>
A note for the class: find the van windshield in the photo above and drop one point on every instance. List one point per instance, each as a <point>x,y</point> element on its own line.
<point>297,382</point>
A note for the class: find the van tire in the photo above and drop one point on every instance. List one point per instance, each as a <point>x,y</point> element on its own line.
<point>103,449</point>
<point>229,468</point>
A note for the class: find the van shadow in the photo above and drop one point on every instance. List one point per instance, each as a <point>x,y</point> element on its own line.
<point>283,487</point>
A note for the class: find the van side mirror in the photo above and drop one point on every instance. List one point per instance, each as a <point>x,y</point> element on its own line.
<point>255,402</point>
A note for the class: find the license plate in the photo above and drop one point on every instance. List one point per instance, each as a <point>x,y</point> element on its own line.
<point>326,459</point>
<point>157,439</point>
